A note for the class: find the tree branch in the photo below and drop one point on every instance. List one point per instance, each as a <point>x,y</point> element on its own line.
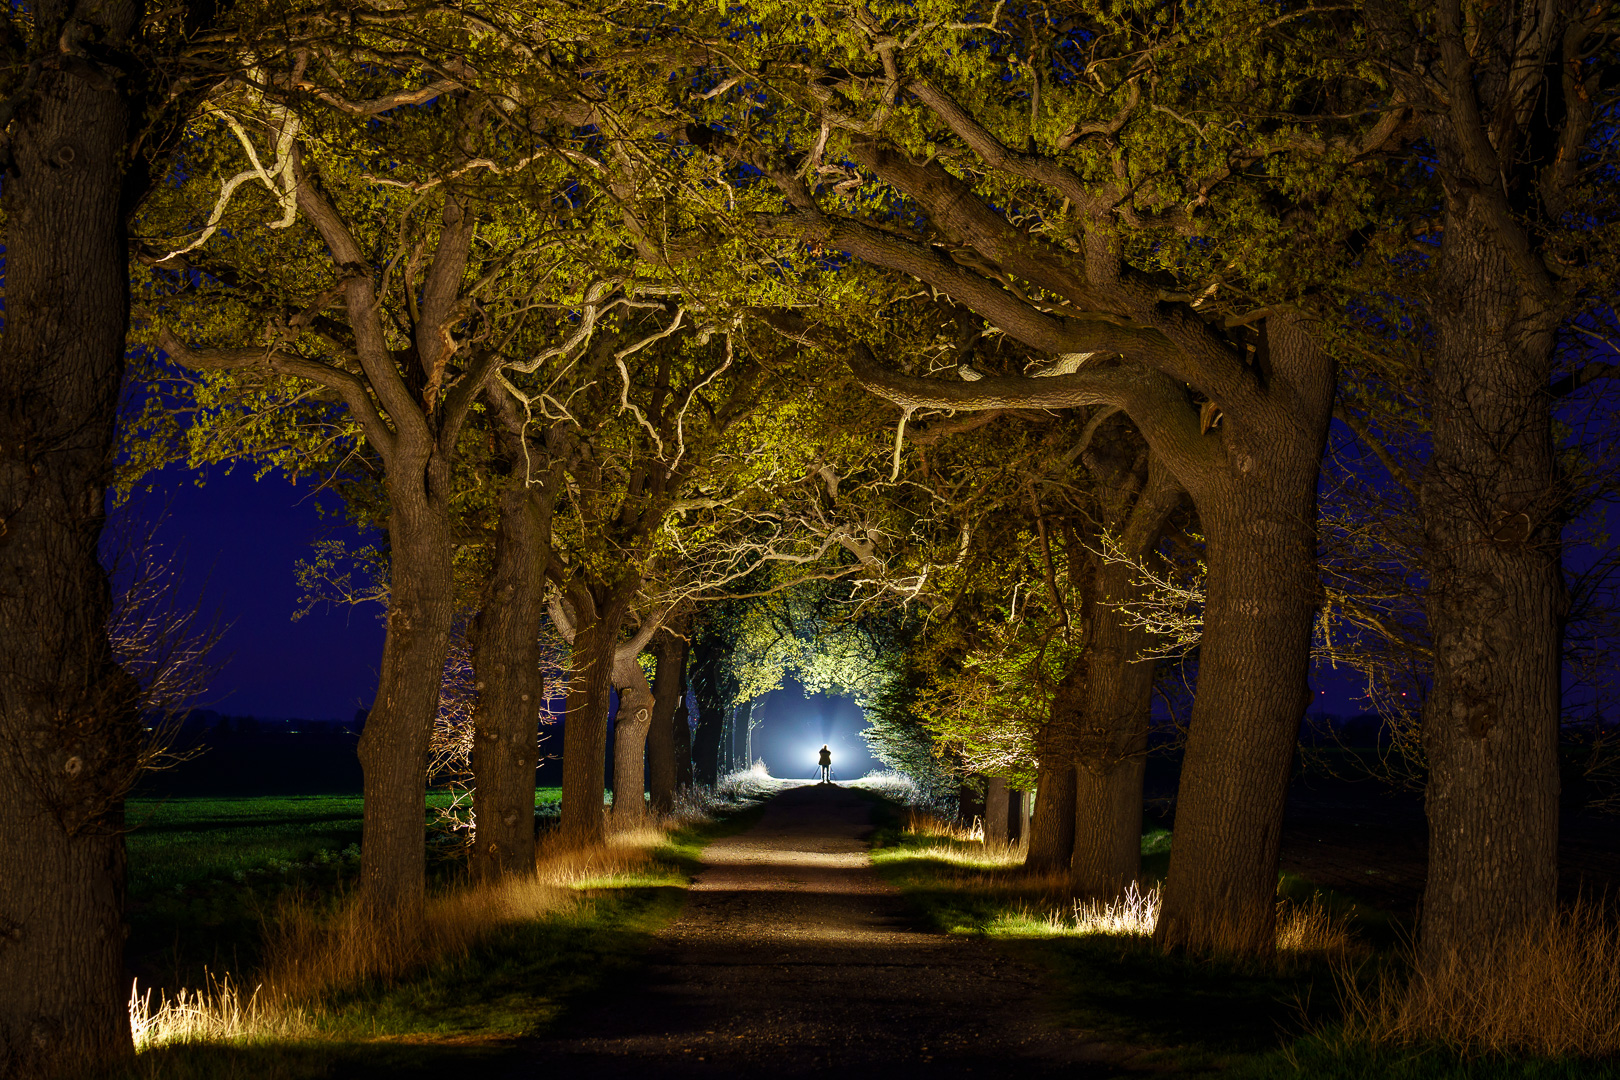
<point>364,307</point>
<point>349,387</point>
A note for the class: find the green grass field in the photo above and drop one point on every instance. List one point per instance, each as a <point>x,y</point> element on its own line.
<point>181,841</point>
<point>205,873</point>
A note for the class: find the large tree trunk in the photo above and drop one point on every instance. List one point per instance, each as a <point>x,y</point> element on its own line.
<point>997,812</point>
<point>506,669</point>
<point>1051,833</point>
<point>682,739</point>
<point>1259,519</point>
<point>1115,686</point>
<point>1051,827</point>
<point>69,730</point>
<point>590,681</point>
<point>393,746</point>
<point>1108,828</point>
<point>710,683</point>
<point>631,725</point>
<point>1490,506</point>
<point>1254,662</point>
<point>1112,740</point>
<point>669,687</point>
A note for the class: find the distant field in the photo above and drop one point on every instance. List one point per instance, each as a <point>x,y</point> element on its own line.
<point>178,841</point>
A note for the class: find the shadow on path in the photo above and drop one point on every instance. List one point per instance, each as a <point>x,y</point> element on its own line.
<point>792,958</point>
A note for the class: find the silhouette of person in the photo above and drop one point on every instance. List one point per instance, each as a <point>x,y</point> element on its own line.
<point>826,765</point>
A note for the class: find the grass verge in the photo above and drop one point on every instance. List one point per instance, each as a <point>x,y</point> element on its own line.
<point>513,972</point>
<point>1283,1018</point>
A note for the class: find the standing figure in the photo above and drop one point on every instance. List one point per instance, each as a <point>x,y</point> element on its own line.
<point>826,765</point>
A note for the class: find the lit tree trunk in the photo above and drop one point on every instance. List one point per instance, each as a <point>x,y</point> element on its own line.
<point>682,739</point>
<point>1491,514</point>
<point>1220,893</point>
<point>997,819</point>
<point>1051,835</point>
<point>749,724</point>
<point>1108,823</point>
<point>1112,746</point>
<point>737,737</point>
<point>590,680</point>
<point>669,688</point>
<point>69,729</point>
<point>631,724</point>
<point>1118,689</point>
<point>506,668</point>
<point>393,746</point>
<point>413,428</point>
<point>710,686</point>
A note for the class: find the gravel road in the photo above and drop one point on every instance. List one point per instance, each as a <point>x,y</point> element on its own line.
<point>792,958</point>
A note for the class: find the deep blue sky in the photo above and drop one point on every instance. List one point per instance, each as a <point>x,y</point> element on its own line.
<point>236,541</point>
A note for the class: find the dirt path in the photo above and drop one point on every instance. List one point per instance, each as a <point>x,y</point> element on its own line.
<point>793,958</point>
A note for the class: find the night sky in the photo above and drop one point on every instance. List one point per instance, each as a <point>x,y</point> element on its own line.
<point>237,541</point>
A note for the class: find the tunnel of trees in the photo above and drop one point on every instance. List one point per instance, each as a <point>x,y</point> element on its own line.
<point>1005,369</point>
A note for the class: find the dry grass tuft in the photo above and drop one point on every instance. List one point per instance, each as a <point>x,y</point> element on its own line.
<point>313,949</point>
<point>1552,990</point>
<point>1034,907</point>
<point>924,823</point>
<point>1134,913</point>
<point>1311,928</point>
<point>216,1013</point>
<point>746,786</point>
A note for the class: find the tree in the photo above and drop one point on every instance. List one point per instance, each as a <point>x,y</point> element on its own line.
<point>1515,106</point>
<point>507,656</point>
<point>669,751</point>
<point>89,105</point>
<point>1064,523</point>
<point>398,354</point>
<point>1034,239</point>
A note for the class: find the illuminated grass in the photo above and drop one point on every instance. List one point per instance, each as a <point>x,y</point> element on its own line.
<point>498,962</point>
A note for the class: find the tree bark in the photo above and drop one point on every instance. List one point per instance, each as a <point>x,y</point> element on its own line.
<point>669,688</point>
<point>1254,662</point>
<point>682,739</point>
<point>70,734</point>
<point>710,683</point>
<point>393,747</point>
<point>997,815</point>
<point>1051,834</point>
<point>590,680</point>
<point>1490,502</point>
<point>1051,826</point>
<point>506,668</point>
<point>1112,737</point>
<point>631,725</point>
<point>1108,829</point>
